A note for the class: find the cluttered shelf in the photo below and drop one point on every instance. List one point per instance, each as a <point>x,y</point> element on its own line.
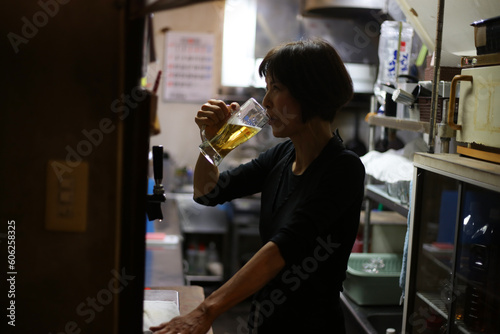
<point>389,171</point>
<point>378,194</point>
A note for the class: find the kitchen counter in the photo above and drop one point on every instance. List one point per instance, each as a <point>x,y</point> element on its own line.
<point>184,222</point>
<point>370,319</point>
<point>189,297</point>
<point>164,257</point>
<point>164,266</point>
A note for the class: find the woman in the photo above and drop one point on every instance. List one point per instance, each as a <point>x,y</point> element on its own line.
<point>312,188</point>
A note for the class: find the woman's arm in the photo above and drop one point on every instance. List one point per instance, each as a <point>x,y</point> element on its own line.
<point>261,268</point>
<point>205,177</point>
<point>211,116</point>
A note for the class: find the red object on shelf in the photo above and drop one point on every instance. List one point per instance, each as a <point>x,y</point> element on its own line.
<point>442,245</point>
<point>155,236</point>
<point>358,244</point>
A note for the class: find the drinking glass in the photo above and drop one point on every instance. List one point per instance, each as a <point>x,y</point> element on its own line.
<point>242,125</point>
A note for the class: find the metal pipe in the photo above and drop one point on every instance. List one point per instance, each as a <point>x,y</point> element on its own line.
<point>435,83</point>
<point>373,110</point>
<point>366,226</point>
<point>445,145</point>
<point>368,204</point>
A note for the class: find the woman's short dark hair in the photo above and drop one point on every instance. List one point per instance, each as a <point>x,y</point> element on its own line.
<point>314,74</point>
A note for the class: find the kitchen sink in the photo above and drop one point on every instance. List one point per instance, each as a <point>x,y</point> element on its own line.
<point>360,319</point>
<point>380,322</point>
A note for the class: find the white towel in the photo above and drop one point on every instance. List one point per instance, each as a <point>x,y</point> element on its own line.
<point>388,166</point>
<point>157,312</point>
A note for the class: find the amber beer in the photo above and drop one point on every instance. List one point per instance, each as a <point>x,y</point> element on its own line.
<point>231,136</point>
<point>241,126</point>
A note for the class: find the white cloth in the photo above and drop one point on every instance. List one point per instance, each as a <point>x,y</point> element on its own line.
<point>157,312</point>
<point>388,166</point>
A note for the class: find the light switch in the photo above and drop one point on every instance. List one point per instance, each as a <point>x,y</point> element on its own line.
<point>66,196</point>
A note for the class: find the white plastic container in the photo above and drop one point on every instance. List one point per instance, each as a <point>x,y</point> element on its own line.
<point>393,33</point>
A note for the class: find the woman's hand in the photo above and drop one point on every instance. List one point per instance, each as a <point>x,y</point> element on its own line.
<point>268,262</point>
<point>195,322</point>
<point>213,115</point>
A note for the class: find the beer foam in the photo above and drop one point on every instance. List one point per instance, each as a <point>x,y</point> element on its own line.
<point>251,122</point>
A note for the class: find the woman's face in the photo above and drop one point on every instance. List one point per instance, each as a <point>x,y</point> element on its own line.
<point>283,109</point>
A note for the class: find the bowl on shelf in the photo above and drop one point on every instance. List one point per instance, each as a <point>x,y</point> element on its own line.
<point>399,190</point>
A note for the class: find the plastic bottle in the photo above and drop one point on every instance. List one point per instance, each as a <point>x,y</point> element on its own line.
<point>392,32</point>
<point>358,244</point>
<point>191,257</point>
<point>201,260</point>
<point>212,255</point>
<point>214,266</point>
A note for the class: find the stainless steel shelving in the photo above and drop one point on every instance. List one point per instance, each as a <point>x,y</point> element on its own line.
<point>398,124</point>
<point>376,193</point>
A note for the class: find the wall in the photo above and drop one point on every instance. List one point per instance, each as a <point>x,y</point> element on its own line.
<point>179,134</point>
<point>58,80</point>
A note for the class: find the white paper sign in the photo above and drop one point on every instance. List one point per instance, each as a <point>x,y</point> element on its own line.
<point>189,63</point>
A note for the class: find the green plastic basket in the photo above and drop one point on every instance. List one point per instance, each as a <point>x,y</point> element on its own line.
<point>373,278</point>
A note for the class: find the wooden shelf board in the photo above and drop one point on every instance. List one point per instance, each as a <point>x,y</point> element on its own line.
<point>384,218</point>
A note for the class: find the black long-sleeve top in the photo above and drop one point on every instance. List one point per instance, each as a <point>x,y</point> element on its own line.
<point>313,218</point>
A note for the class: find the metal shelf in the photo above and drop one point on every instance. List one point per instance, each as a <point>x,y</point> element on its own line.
<point>378,194</point>
<point>384,218</point>
<point>442,259</point>
<point>203,278</point>
<point>199,219</point>
<point>398,124</point>
<point>435,302</point>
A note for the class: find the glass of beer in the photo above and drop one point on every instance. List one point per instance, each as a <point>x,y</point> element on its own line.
<point>242,125</point>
